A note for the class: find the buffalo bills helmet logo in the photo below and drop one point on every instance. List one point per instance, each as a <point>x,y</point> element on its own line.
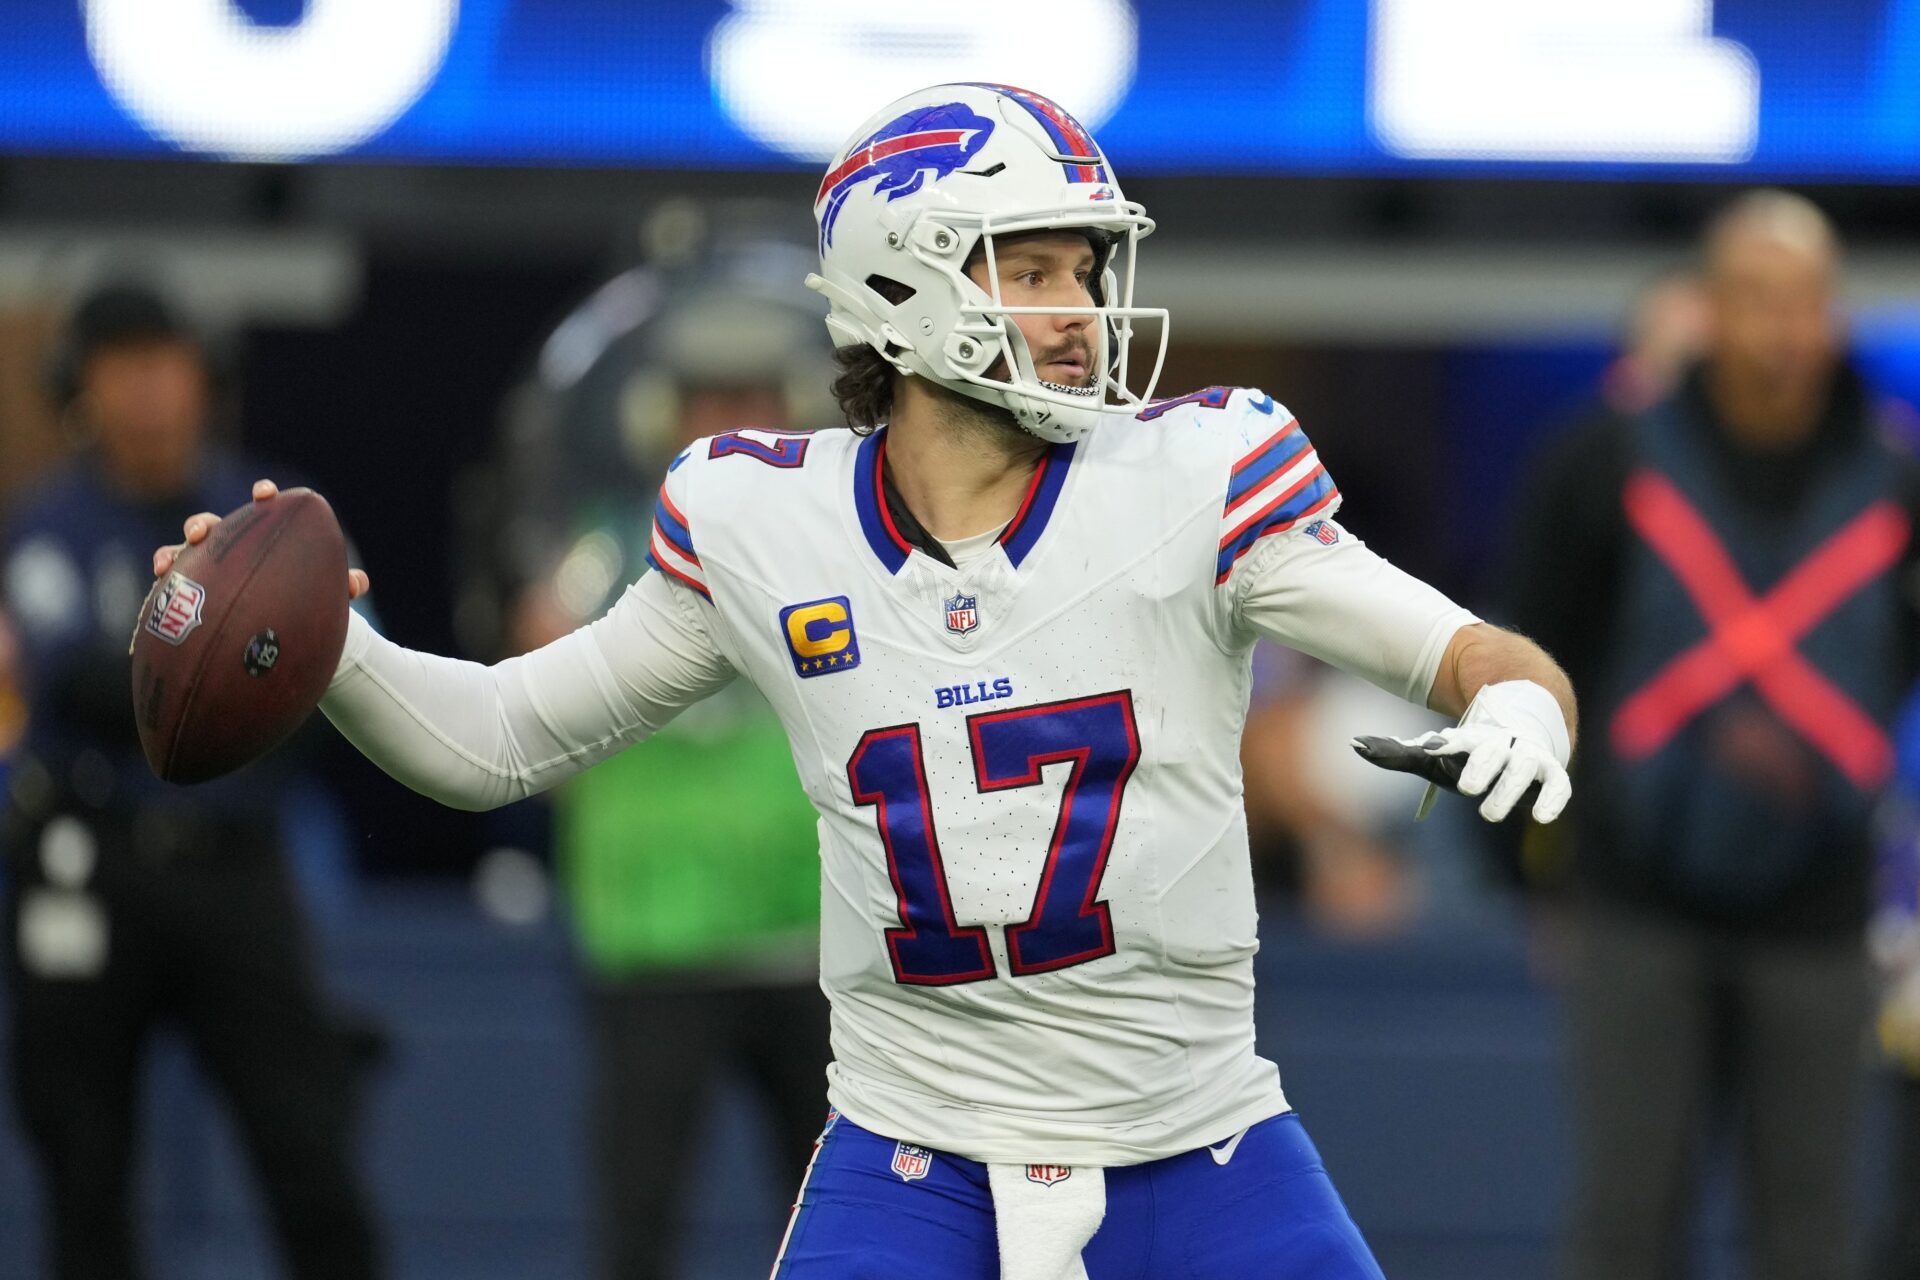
<point>939,138</point>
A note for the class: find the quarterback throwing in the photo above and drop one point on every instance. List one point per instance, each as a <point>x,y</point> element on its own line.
<point>1006,620</point>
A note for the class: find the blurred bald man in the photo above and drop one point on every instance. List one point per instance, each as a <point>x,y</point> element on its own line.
<point>1725,575</point>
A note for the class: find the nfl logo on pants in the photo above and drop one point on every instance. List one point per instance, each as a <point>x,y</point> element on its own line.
<point>963,614</point>
<point>911,1162</point>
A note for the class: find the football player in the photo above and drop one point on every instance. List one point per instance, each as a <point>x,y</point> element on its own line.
<point>1006,622</point>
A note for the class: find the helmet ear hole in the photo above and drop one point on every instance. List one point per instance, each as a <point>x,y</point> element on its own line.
<point>896,293</point>
<point>893,291</point>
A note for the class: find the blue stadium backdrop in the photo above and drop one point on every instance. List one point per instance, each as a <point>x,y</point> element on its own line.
<point>1692,88</point>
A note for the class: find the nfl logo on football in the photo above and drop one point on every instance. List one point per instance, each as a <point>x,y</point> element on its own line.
<point>176,608</point>
<point>910,1162</point>
<point>963,614</point>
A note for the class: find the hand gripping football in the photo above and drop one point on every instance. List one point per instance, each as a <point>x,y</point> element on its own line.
<point>235,645</point>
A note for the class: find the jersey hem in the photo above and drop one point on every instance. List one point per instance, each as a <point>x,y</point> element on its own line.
<point>1056,1142</point>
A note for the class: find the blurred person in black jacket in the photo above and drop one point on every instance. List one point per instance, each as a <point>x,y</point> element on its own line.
<point>1895,942</point>
<point>1727,577</point>
<point>129,901</point>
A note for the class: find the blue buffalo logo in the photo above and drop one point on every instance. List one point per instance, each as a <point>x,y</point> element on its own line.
<point>937,139</point>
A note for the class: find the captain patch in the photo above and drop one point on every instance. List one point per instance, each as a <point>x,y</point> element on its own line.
<point>820,636</point>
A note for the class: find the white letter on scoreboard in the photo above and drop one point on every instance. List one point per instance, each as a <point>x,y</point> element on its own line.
<point>855,55</point>
<point>1580,80</point>
<point>201,75</point>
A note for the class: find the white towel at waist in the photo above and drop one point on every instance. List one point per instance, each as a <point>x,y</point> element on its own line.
<point>1045,1214</point>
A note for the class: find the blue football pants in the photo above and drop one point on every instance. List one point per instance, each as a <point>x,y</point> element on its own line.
<point>875,1209</point>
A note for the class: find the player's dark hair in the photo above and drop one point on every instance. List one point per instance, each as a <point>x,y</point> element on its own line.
<point>864,383</point>
<point>864,387</point>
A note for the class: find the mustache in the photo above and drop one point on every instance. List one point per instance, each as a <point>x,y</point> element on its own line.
<point>1072,349</point>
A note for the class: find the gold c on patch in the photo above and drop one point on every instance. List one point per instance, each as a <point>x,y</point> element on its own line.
<point>820,636</point>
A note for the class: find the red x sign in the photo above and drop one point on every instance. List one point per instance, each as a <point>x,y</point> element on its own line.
<point>1753,640</point>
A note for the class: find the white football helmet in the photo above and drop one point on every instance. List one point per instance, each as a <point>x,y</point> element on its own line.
<point>933,176</point>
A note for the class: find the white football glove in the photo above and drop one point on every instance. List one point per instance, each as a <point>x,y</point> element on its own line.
<point>1512,738</point>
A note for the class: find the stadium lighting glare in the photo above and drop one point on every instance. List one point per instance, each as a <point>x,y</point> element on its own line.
<point>859,52</point>
<point>1595,80</point>
<point>201,75</point>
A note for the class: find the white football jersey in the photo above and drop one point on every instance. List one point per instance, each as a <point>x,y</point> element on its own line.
<point>1038,919</point>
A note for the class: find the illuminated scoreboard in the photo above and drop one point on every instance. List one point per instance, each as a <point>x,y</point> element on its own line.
<point>1817,89</point>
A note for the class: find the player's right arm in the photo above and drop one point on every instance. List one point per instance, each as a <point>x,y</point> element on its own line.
<point>477,737</point>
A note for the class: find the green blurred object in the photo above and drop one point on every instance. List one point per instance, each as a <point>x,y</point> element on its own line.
<point>696,849</point>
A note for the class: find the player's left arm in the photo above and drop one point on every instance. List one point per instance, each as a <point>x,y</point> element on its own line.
<point>1328,594</point>
<point>1480,654</point>
<point>1286,569</point>
<point>1518,721</point>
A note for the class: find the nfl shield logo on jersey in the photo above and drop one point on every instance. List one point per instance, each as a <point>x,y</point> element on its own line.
<point>1323,533</point>
<point>910,1162</point>
<point>963,614</point>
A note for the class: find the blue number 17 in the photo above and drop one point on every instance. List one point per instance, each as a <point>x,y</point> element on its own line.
<point>1069,924</point>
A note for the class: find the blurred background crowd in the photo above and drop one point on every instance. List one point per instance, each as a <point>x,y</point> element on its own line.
<point>1606,318</point>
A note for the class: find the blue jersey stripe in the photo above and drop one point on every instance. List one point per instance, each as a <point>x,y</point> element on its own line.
<point>1261,466</point>
<point>675,534</point>
<point>1019,537</point>
<point>867,500</point>
<point>653,563</point>
<point>1311,498</point>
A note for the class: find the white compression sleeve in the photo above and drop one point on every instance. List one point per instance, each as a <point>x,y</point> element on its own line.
<point>476,737</point>
<point>1347,606</point>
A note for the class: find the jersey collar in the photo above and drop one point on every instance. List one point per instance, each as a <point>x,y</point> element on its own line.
<point>893,534</point>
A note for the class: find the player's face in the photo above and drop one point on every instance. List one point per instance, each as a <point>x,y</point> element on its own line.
<point>1048,269</point>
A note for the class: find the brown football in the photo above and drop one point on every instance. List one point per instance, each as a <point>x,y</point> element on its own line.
<point>237,642</point>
